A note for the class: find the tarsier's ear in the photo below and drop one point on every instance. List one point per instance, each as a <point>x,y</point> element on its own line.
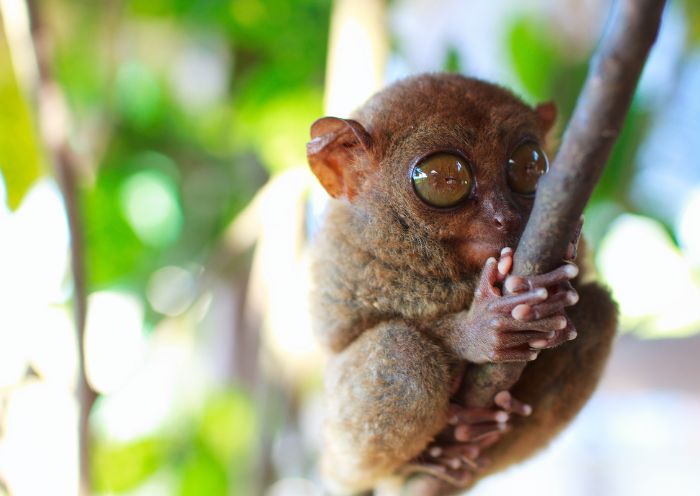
<point>547,113</point>
<point>335,147</point>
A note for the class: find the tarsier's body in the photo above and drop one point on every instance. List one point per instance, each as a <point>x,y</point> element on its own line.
<point>396,268</point>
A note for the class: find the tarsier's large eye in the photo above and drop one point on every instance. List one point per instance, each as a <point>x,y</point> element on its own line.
<point>442,180</point>
<point>525,167</point>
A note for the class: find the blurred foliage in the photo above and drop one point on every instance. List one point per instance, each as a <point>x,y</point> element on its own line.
<point>210,455</point>
<point>122,467</point>
<point>544,68</point>
<point>452,63</point>
<point>20,161</point>
<point>173,172</point>
<point>692,12</point>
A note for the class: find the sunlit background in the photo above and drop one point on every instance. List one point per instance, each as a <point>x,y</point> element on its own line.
<point>175,131</point>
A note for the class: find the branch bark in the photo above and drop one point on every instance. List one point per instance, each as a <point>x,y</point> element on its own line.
<point>562,194</point>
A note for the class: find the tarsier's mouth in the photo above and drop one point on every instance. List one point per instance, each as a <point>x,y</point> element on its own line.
<point>475,252</point>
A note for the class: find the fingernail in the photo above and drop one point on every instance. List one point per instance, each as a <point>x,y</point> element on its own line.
<point>502,397</point>
<point>502,266</point>
<point>506,251</point>
<point>515,284</point>
<point>520,312</point>
<point>550,334</point>
<point>527,410</point>
<point>539,344</point>
<point>541,293</point>
<point>572,297</point>
<point>435,452</point>
<point>532,356</point>
<point>454,420</point>
<point>571,270</point>
<point>501,417</point>
<point>470,453</point>
<point>455,463</point>
<point>462,433</point>
<point>561,324</point>
<point>572,335</point>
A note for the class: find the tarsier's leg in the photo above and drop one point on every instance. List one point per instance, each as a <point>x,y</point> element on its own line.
<point>388,397</point>
<point>561,380</point>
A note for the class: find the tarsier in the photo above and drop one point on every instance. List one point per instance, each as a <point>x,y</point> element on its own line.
<point>432,181</point>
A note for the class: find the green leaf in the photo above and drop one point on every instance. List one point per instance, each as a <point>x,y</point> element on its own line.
<point>452,62</point>
<point>202,474</point>
<point>121,467</point>
<point>533,55</point>
<point>692,16</point>
<point>618,173</point>
<point>228,425</point>
<point>20,161</point>
<point>278,128</point>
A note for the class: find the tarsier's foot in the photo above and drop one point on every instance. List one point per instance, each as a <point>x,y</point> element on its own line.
<point>456,454</point>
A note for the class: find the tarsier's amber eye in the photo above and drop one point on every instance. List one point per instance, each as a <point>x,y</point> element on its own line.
<point>525,167</point>
<point>442,180</point>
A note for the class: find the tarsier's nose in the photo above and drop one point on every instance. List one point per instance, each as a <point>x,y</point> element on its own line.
<point>500,221</point>
<point>505,219</point>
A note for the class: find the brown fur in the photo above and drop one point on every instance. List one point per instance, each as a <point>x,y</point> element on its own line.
<point>387,268</point>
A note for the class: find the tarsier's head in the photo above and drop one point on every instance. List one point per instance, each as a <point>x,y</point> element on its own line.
<point>453,161</point>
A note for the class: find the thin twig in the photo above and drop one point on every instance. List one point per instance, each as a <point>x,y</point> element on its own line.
<point>54,123</point>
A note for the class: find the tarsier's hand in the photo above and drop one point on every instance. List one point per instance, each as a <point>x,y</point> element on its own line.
<point>561,295</point>
<point>456,453</point>
<point>515,326</point>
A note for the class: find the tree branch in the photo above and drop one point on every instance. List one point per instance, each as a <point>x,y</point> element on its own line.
<point>562,193</point>
<point>54,123</point>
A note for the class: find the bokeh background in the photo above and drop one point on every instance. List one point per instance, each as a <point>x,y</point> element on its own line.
<point>165,139</point>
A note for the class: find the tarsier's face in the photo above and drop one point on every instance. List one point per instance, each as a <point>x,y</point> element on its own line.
<point>467,177</point>
<point>452,160</point>
<point>447,182</point>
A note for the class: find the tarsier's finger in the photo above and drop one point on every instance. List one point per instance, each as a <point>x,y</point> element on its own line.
<point>453,463</point>
<point>489,277</point>
<point>518,284</point>
<point>460,463</point>
<point>507,303</point>
<point>559,289</point>
<point>424,468</point>
<point>488,441</point>
<point>513,339</point>
<point>522,354</point>
<point>464,450</point>
<point>523,322</point>
<point>461,415</point>
<point>474,432</point>
<point>559,338</point>
<point>458,478</point>
<point>505,263</point>
<point>506,401</point>
<point>553,306</point>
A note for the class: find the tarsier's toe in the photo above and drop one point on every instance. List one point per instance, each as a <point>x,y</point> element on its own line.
<point>457,477</point>
<point>506,401</point>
